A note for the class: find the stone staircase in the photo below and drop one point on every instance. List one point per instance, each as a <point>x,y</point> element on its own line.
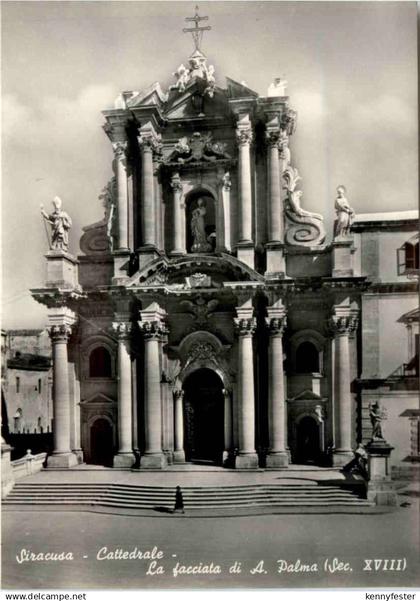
<point>129,496</point>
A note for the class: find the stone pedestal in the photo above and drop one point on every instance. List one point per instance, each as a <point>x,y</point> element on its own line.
<point>121,266</point>
<point>342,255</point>
<point>276,267</point>
<point>245,253</point>
<point>380,488</point>
<point>61,269</point>
<point>7,479</point>
<point>147,255</point>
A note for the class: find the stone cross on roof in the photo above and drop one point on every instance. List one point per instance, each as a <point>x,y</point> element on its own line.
<point>196,31</point>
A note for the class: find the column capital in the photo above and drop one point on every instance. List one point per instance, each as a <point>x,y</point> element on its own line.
<point>178,393</point>
<point>149,140</point>
<point>122,329</point>
<point>273,137</point>
<point>245,326</point>
<point>176,183</point>
<point>244,135</point>
<point>120,150</point>
<point>343,324</point>
<point>59,333</point>
<point>153,329</point>
<point>276,324</point>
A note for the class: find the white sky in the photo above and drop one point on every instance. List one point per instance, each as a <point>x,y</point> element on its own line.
<point>352,73</point>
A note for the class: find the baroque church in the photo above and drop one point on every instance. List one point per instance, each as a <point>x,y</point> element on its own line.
<point>207,320</point>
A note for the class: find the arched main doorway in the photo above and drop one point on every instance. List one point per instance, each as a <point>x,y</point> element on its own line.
<point>308,448</point>
<point>203,417</point>
<point>101,442</point>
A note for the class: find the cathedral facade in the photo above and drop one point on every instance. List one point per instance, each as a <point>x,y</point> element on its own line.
<point>207,320</point>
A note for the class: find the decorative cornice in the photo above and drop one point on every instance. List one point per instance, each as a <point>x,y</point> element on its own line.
<point>59,333</point>
<point>245,326</point>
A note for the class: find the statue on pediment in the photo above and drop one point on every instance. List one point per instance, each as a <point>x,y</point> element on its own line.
<point>60,226</point>
<point>345,214</point>
<point>182,78</point>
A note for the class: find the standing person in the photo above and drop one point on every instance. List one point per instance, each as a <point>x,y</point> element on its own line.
<point>179,500</point>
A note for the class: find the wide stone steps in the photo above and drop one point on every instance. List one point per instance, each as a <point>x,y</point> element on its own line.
<point>150,497</point>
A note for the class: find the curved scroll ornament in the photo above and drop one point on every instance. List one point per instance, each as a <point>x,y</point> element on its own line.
<point>303,228</point>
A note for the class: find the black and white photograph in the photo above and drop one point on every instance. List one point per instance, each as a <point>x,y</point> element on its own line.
<point>210,311</point>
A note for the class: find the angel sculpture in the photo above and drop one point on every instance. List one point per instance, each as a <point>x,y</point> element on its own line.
<point>182,76</point>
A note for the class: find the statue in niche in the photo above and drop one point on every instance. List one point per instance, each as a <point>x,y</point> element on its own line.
<point>60,226</point>
<point>345,214</point>
<point>198,228</point>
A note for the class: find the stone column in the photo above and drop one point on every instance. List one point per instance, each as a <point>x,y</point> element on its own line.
<point>277,455</point>
<point>125,456</point>
<point>120,150</point>
<point>342,324</point>
<point>153,329</point>
<point>179,453</point>
<point>62,455</point>
<point>244,139</point>
<point>245,325</point>
<point>228,426</point>
<point>149,144</point>
<point>275,212</point>
<point>178,241</point>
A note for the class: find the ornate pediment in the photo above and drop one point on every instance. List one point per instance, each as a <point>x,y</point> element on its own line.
<point>152,96</point>
<point>194,271</point>
<point>98,398</point>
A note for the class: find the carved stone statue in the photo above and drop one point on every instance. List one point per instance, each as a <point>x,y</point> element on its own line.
<point>182,77</point>
<point>303,228</point>
<point>198,228</point>
<point>60,226</point>
<point>277,87</point>
<point>376,416</point>
<point>345,214</point>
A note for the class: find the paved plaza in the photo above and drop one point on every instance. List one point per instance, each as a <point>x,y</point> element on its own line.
<point>212,544</point>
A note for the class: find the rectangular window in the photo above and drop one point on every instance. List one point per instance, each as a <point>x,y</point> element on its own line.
<point>39,386</point>
<point>17,384</point>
